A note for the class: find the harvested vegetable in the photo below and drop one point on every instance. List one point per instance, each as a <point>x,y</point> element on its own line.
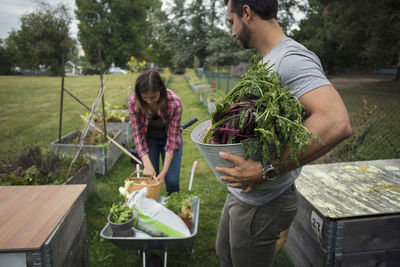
<point>181,204</point>
<point>120,213</point>
<point>262,115</point>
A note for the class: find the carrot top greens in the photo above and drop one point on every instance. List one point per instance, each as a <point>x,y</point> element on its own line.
<point>261,114</point>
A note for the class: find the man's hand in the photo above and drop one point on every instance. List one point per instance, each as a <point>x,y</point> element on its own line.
<point>246,174</point>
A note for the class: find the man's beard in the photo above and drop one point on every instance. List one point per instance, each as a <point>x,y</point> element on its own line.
<point>244,36</point>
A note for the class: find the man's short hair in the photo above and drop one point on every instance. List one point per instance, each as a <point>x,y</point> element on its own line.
<point>266,9</point>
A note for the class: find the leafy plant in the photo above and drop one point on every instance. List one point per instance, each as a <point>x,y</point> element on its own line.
<point>120,213</point>
<point>181,204</point>
<point>92,138</point>
<point>134,65</point>
<point>31,166</point>
<point>114,113</point>
<point>262,115</point>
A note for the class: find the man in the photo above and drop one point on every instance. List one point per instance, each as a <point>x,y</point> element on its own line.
<point>254,214</point>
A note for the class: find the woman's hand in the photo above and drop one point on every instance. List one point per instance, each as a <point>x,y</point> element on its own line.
<point>161,176</point>
<point>167,163</point>
<point>149,171</point>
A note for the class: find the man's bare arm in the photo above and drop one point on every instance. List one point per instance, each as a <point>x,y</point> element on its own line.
<point>328,119</point>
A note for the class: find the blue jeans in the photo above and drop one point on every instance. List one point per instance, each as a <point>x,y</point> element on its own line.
<point>156,147</point>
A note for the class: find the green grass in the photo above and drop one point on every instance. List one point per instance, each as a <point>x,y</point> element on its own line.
<point>30,115</point>
<point>209,190</point>
<point>30,108</point>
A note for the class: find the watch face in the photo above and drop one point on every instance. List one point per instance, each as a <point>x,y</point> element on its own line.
<point>268,171</point>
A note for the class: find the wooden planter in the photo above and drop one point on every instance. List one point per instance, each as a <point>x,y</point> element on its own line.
<point>124,127</point>
<point>104,157</point>
<point>211,106</point>
<point>85,175</point>
<point>349,215</point>
<point>44,226</point>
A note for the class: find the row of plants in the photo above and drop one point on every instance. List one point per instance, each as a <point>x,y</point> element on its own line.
<point>207,93</point>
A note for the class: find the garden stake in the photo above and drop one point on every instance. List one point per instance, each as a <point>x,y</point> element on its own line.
<point>94,107</point>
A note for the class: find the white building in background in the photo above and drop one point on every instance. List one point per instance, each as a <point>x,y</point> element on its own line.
<point>70,68</point>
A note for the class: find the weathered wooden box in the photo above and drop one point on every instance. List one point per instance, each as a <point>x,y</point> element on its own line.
<point>85,175</point>
<point>349,215</point>
<point>43,226</point>
<point>125,127</point>
<point>103,156</point>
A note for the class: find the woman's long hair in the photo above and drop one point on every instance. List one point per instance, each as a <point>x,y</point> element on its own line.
<point>150,81</point>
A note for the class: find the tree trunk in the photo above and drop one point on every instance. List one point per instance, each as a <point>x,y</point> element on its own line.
<point>397,77</point>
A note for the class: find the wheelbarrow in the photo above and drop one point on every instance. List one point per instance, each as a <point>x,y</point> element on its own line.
<point>143,242</point>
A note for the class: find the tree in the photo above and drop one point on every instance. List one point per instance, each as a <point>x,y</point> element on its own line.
<point>112,30</point>
<point>198,33</point>
<point>355,34</point>
<point>42,38</point>
<point>223,50</point>
<point>197,29</point>
<point>286,11</point>
<point>6,59</point>
<point>174,34</point>
<point>156,50</point>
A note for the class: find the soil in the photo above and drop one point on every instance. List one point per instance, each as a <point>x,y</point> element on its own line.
<point>92,138</point>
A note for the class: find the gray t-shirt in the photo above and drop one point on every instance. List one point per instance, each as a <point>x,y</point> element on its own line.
<point>301,70</point>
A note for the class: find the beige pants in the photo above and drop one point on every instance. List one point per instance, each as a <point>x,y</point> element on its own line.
<point>248,235</point>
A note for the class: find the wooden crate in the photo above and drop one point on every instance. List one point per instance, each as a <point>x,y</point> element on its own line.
<point>43,226</point>
<point>349,215</point>
<point>85,175</point>
<point>104,158</point>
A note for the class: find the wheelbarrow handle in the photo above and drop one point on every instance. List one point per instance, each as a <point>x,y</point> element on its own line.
<point>188,123</point>
<point>192,175</point>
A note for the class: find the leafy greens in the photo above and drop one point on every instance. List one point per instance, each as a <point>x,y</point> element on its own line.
<point>262,115</point>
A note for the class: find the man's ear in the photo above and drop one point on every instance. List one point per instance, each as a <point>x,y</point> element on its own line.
<point>247,13</point>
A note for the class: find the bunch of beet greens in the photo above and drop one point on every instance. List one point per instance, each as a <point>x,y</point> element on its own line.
<point>262,115</point>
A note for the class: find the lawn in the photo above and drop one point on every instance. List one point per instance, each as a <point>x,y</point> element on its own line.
<point>30,108</point>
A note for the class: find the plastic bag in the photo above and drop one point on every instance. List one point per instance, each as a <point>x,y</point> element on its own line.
<point>155,219</point>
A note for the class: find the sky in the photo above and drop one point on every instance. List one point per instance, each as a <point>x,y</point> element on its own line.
<point>12,10</point>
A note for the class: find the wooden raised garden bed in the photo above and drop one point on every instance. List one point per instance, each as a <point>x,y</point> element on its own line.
<point>34,166</point>
<point>85,175</point>
<point>43,226</point>
<point>104,155</point>
<point>124,127</point>
<point>349,215</point>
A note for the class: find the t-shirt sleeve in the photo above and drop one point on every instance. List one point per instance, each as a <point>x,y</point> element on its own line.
<point>302,72</point>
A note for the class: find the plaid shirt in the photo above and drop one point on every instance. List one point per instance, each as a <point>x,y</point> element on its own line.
<point>171,115</point>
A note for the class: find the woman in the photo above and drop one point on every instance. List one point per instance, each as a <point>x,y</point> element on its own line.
<point>156,114</point>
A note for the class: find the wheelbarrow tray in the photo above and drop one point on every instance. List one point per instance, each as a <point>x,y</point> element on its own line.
<point>142,241</point>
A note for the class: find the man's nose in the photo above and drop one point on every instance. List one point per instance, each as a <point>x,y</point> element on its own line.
<point>233,34</point>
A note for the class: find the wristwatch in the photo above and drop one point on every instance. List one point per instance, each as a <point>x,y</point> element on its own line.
<point>269,172</point>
